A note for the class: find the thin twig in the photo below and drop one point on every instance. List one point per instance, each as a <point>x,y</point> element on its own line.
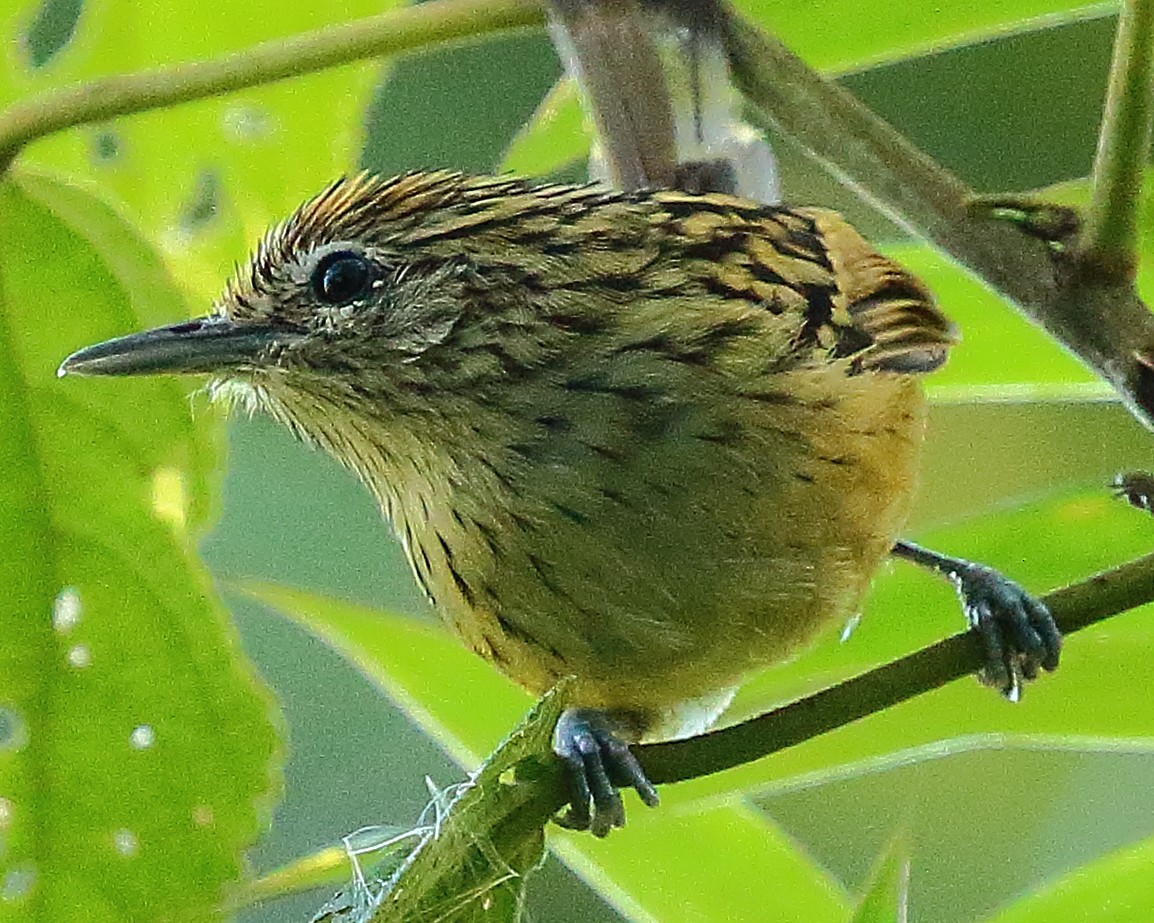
<point>389,33</point>
<point>510,817</point>
<point>1108,247</point>
<point>1079,605</point>
<point>1074,607</point>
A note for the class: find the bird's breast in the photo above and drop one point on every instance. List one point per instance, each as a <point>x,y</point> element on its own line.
<point>658,549</point>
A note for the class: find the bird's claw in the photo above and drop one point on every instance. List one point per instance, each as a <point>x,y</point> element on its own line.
<point>598,763</point>
<point>1017,631</point>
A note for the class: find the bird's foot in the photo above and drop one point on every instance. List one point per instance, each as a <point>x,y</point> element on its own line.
<point>1017,631</point>
<point>598,763</point>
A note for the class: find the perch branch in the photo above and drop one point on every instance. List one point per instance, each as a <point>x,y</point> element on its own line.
<point>1074,607</point>
<point>508,819</point>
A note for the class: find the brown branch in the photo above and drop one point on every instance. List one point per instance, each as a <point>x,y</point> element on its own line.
<point>608,47</point>
<point>1074,607</point>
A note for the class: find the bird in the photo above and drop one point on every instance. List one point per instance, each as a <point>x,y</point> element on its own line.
<point>650,441</point>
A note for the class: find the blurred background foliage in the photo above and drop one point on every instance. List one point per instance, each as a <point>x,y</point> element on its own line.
<point>137,756</point>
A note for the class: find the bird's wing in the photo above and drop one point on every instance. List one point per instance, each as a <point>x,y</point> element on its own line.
<point>833,292</point>
<point>883,316</point>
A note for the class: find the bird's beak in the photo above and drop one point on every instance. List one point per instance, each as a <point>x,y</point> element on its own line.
<point>208,344</point>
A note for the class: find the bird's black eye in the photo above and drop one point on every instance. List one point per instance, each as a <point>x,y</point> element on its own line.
<point>342,277</point>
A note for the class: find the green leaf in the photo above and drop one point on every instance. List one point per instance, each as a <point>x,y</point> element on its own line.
<point>886,897</point>
<point>474,861</point>
<point>135,747</point>
<point>1118,888</point>
<point>1009,394</point>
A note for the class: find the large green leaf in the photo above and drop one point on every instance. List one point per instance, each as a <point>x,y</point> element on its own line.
<point>135,747</point>
<point>986,820</point>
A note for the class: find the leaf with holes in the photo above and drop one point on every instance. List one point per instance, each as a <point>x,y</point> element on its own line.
<point>135,750</point>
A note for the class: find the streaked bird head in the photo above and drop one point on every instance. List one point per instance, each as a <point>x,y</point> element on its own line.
<point>378,300</point>
<point>345,281</point>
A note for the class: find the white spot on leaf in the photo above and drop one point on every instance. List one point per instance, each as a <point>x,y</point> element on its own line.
<point>125,842</point>
<point>66,610</point>
<point>18,883</point>
<point>79,656</point>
